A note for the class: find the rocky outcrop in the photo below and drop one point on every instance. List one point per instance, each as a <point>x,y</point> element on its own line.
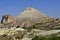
<point>30,18</point>
<point>23,34</point>
<point>27,25</point>
<point>7,19</point>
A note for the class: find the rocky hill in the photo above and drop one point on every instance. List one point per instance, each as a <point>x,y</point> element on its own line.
<point>31,14</point>
<point>28,24</point>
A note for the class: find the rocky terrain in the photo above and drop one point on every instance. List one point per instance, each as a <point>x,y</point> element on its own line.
<point>27,25</point>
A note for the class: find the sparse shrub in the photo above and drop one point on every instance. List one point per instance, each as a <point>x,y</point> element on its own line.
<point>45,38</point>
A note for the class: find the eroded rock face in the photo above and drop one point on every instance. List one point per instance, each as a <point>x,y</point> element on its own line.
<point>13,33</point>
<point>28,25</point>
<point>20,33</point>
<point>5,37</point>
<point>7,19</point>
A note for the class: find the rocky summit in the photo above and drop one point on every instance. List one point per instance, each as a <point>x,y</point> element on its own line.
<point>31,14</point>
<point>28,24</point>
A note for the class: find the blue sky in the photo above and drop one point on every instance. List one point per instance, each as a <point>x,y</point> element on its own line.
<point>14,7</point>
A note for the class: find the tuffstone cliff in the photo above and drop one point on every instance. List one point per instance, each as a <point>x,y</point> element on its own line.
<point>28,24</point>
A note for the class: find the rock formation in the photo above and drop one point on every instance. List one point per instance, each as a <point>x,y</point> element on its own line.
<point>31,14</point>
<point>28,24</point>
<point>7,19</point>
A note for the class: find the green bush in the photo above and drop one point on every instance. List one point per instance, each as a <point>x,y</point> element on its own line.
<point>45,38</point>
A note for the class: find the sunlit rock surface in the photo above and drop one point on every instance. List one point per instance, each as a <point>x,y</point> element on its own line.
<point>28,24</point>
